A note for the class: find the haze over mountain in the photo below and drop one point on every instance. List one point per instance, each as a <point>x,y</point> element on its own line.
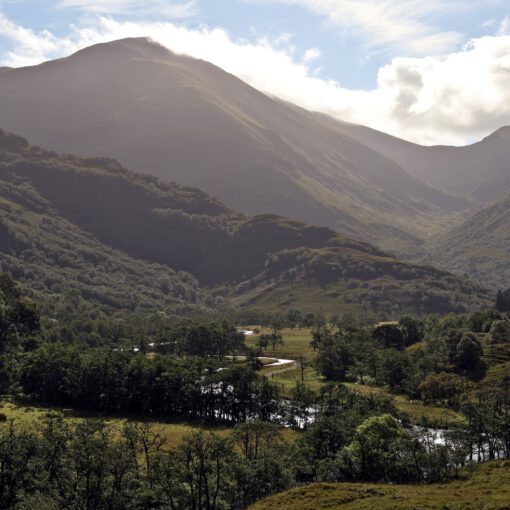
<point>187,121</point>
<point>479,247</point>
<point>480,171</point>
<point>130,241</point>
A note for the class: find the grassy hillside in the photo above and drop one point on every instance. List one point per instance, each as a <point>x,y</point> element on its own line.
<point>480,247</point>
<point>131,241</point>
<point>487,488</point>
<point>334,280</point>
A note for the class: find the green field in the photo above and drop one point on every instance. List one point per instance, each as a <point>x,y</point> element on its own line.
<point>487,488</point>
<point>296,343</point>
<point>29,418</point>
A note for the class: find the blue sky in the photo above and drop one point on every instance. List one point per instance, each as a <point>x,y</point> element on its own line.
<point>343,57</point>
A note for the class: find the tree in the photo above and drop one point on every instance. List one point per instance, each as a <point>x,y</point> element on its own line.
<point>444,388</point>
<point>294,318</point>
<point>207,461</point>
<point>375,446</point>
<point>468,352</point>
<point>394,367</point>
<point>335,356</point>
<point>390,335</point>
<point>263,341</point>
<point>413,330</point>
<point>19,318</point>
<point>275,338</point>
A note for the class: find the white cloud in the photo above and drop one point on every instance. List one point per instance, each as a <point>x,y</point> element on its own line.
<point>452,99</point>
<point>134,7</point>
<point>504,27</point>
<point>311,55</point>
<point>31,47</point>
<point>404,26</point>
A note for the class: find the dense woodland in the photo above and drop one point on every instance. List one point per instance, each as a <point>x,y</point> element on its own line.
<point>186,370</point>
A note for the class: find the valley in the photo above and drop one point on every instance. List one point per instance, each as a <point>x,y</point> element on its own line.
<point>215,299</point>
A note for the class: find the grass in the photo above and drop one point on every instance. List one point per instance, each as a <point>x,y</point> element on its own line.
<point>486,488</point>
<point>296,343</point>
<point>29,418</point>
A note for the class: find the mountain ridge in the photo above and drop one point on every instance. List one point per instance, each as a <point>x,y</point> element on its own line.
<point>479,171</point>
<point>188,121</point>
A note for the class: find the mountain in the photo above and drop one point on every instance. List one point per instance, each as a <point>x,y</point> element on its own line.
<point>479,247</point>
<point>187,121</point>
<point>480,171</point>
<point>130,241</point>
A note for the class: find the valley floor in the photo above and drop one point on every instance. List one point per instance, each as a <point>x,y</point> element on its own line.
<point>296,346</point>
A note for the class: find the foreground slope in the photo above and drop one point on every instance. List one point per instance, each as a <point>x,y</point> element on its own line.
<point>190,122</point>
<point>479,247</point>
<point>91,222</point>
<point>480,171</point>
<point>488,488</point>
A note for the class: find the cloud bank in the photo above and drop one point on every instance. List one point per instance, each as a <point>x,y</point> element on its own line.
<point>387,25</point>
<point>451,99</point>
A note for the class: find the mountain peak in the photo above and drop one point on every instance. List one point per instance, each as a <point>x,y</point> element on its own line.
<point>141,47</point>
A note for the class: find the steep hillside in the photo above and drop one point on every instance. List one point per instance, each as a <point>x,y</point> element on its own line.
<point>480,170</point>
<point>188,121</point>
<point>480,247</point>
<point>337,281</point>
<point>52,257</point>
<point>106,230</point>
<point>488,488</point>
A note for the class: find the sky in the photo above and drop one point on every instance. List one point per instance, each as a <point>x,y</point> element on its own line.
<point>429,71</point>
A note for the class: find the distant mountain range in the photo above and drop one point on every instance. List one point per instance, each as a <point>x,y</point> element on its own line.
<point>479,247</point>
<point>188,121</point>
<point>480,172</point>
<point>130,241</point>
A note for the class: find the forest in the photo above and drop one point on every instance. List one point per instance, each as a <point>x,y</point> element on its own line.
<point>205,372</point>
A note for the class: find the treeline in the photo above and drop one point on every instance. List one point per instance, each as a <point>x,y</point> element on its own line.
<point>126,382</point>
<point>89,465</point>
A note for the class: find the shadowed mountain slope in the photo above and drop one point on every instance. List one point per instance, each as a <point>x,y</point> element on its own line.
<point>129,240</point>
<point>479,247</point>
<point>188,121</point>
